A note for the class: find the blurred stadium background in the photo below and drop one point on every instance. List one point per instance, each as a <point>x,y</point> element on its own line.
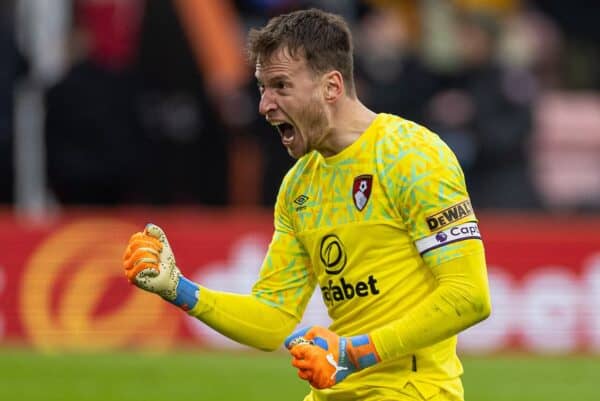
<point>114,113</point>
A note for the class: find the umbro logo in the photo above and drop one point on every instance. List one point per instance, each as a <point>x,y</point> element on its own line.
<point>300,201</point>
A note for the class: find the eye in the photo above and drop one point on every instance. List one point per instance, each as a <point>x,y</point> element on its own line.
<point>261,87</point>
<point>281,85</point>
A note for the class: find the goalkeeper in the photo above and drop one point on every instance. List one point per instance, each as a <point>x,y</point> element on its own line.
<point>375,213</point>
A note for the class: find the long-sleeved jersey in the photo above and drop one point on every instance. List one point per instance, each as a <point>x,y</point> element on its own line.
<point>367,227</point>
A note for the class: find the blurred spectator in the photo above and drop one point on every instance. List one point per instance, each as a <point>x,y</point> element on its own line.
<point>188,139</point>
<point>93,137</point>
<point>484,113</point>
<point>132,121</point>
<point>12,66</point>
<point>163,85</point>
<point>566,159</point>
<point>579,24</point>
<point>531,42</point>
<point>390,76</point>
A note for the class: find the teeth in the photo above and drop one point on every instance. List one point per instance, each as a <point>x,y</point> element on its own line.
<point>287,140</point>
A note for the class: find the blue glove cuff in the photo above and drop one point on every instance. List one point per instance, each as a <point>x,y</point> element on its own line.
<point>188,293</point>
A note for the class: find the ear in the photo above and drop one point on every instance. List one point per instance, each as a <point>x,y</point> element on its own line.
<point>333,86</point>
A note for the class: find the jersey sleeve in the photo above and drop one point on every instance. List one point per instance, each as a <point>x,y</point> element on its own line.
<point>286,278</point>
<point>436,208</point>
<point>460,300</point>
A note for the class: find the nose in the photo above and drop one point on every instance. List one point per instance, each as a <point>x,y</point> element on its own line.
<point>267,103</point>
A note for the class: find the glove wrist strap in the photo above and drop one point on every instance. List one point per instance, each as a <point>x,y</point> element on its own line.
<point>188,293</point>
<point>362,351</point>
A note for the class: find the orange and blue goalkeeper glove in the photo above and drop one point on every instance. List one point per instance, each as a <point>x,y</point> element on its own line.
<point>150,264</point>
<point>323,358</point>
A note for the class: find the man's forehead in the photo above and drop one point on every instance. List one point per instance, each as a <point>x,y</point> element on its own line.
<point>281,58</point>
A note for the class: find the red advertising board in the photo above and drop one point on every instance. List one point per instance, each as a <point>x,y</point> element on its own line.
<point>62,285</point>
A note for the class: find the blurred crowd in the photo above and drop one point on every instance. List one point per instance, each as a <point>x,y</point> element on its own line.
<point>157,106</point>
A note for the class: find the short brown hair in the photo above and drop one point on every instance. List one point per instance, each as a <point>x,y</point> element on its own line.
<point>324,39</point>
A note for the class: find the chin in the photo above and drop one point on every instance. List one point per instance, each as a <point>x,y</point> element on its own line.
<point>297,153</point>
<point>298,148</point>
<point>294,155</point>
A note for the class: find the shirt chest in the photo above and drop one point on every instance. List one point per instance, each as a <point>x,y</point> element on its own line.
<point>339,197</point>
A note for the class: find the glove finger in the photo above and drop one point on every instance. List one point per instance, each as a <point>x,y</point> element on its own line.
<point>138,257</point>
<point>299,351</point>
<point>148,262</point>
<point>303,364</point>
<point>321,381</point>
<point>309,353</point>
<point>143,252</point>
<point>127,253</point>
<point>146,242</point>
<point>144,237</point>
<point>136,236</point>
<point>305,374</point>
<point>149,250</point>
<point>139,240</point>
<point>132,240</point>
<point>313,361</point>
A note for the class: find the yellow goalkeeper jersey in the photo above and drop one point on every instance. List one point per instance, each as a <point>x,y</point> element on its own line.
<point>365,226</point>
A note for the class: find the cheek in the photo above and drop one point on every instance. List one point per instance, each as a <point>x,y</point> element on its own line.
<point>315,114</point>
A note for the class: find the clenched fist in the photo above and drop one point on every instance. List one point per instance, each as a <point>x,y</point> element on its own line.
<point>150,264</point>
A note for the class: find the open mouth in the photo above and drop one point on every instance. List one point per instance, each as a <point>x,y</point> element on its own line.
<point>287,132</point>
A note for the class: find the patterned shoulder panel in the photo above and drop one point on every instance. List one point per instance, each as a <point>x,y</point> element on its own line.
<point>427,180</point>
<point>288,196</point>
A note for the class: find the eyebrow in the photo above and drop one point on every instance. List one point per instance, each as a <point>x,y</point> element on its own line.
<point>278,77</point>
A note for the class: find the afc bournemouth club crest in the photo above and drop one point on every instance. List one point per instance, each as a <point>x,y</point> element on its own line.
<point>361,190</point>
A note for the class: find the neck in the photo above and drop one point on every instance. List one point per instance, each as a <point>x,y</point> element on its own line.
<point>348,120</point>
